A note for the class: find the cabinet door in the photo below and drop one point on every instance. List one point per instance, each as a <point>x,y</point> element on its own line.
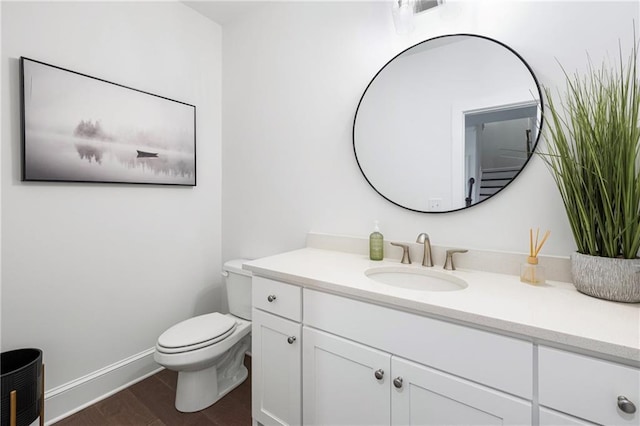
<point>429,397</point>
<point>553,418</point>
<point>586,387</point>
<point>275,370</point>
<point>345,383</point>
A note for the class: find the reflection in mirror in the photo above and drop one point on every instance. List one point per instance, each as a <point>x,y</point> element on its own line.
<point>447,123</point>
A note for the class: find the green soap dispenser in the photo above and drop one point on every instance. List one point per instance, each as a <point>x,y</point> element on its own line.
<point>376,240</point>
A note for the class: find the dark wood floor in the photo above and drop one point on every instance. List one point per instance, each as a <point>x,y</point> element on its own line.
<point>151,402</point>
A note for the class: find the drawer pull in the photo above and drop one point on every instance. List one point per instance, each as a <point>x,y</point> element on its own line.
<point>291,339</point>
<point>397,382</point>
<point>271,298</point>
<point>379,374</point>
<point>625,405</point>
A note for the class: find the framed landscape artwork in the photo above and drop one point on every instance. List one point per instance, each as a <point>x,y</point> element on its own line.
<point>77,128</point>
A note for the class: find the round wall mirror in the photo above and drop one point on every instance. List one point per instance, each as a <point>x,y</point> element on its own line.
<point>447,123</point>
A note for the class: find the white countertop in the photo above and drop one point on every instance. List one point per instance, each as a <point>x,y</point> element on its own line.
<point>555,312</point>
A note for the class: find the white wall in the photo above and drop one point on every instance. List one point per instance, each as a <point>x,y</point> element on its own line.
<point>93,273</point>
<point>292,76</point>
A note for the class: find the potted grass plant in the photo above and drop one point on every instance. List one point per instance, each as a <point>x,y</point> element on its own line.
<point>593,153</point>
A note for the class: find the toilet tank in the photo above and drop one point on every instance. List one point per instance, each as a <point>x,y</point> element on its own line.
<point>238,284</point>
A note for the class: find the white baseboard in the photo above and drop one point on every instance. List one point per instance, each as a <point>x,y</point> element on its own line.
<point>71,397</point>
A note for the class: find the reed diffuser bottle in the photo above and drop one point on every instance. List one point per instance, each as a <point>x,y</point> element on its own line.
<point>531,272</point>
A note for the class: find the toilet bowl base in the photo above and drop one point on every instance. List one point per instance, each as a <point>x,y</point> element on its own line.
<point>200,389</point>
<point>197,390</point>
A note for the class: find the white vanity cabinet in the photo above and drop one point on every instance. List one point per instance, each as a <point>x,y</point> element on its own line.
<point>356,370</point>
<point>346,383</point>
<point>583,390</point>
<point>276,361</point>
<point>326,359</point>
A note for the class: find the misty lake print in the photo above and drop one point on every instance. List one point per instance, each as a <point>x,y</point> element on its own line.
<point>81,129</point>
<point>51,156</point>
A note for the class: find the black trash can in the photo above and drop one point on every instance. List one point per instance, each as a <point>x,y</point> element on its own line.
<point>21,372</point>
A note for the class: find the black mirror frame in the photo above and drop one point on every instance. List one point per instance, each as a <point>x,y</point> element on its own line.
<point>533,148</point>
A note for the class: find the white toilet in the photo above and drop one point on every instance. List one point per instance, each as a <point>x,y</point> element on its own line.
<point>208,351</point>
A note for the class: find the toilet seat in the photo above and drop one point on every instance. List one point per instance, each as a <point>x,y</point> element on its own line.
<point>196,333</point>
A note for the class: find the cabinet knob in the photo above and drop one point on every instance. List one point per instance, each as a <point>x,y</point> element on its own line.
<point>379,374</point>
<point>625,405</point>
<point>397,382</point>
<point>291,339</point>
<point>271,298</point>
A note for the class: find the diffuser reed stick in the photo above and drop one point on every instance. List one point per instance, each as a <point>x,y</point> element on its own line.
<point>530,272</point>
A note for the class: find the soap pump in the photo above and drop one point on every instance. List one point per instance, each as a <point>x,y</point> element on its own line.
<point>376,244</point>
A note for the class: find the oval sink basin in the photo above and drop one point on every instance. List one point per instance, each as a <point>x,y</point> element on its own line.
<point>415,279</point>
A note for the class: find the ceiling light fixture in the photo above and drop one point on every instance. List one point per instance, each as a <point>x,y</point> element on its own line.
<point>403,12</point>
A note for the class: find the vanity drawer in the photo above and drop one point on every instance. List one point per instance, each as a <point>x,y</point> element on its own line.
<point>494,360</point>
<point>587,387</point>
<point>277,298</point>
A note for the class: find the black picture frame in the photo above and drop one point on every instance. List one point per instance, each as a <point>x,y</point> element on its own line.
<point>79,128</point>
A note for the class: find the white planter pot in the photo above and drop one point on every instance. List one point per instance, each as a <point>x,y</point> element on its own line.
<point>607,278</point>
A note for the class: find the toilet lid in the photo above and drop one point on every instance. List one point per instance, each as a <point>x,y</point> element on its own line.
<point>198,331</point>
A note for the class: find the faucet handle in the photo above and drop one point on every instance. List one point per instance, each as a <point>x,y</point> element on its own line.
<point>405,252</point>
<point>448,263</point>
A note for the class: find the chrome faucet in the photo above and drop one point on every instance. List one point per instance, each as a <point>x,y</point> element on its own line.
<point>427,260</point>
